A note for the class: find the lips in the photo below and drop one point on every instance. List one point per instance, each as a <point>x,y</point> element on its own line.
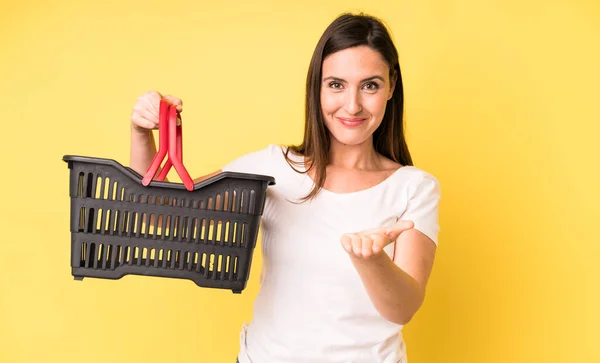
<point>351,121</point>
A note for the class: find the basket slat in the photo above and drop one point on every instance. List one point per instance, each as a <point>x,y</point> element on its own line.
<point>120,227</point>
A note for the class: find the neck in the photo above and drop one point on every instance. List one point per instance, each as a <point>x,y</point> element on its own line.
<point>362,156</point>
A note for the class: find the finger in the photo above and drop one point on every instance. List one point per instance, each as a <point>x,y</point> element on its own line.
<point>367,246</point>
<point>142,118</point>
<point>149,104</point>
<point>152,100</point>
<point>154,95</point>
<point>394,231</point>
<point>178,103</point>
<point>357,245</point>
<point>347,243</point>
<point>143,123</point>
<point>379,242</point>
<point>148,115</point>
<point>148,124</point>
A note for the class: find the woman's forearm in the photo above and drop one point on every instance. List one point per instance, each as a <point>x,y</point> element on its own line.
<point>142,150</point>
<point>394,293</point>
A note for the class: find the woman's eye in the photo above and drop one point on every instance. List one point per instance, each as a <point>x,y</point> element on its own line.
<point>371,86</point>
<point>335,85</point>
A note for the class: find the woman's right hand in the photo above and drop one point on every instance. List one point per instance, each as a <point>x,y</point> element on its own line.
<point>144,117</point>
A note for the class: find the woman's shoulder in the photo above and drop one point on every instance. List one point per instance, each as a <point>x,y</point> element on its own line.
<point>408,178</point>
<point>259,160</point>
<point>272,150</point>
<point>418,182</point>
<point>417,172</point>
<point>410,173</point>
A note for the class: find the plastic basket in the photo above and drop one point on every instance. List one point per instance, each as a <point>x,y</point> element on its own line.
<point>204,232</point>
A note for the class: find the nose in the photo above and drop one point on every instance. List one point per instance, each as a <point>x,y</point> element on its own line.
<point>352,103</point>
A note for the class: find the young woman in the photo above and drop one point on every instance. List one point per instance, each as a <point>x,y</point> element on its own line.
<point>349,231</point>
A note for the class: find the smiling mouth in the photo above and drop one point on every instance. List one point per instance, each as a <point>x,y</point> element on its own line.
<point>351,121</point>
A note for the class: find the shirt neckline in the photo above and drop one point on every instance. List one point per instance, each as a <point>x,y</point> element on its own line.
<point>379,185</point>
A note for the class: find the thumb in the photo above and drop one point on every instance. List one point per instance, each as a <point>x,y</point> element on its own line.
<point>394,231</point>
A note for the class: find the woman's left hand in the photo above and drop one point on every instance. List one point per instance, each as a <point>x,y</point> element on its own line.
<point>370,243</point>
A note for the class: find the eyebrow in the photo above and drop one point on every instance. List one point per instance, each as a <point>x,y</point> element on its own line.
<point>344,81</point>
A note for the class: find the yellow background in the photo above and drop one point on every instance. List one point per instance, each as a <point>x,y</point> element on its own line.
<point>502,101</point>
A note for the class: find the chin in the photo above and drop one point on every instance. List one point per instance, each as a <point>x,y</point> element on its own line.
<point>349,140</point>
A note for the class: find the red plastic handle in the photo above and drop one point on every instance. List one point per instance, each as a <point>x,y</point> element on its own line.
<point>170,145</point>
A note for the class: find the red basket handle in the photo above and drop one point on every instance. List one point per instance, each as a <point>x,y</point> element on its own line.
<point>170,145</point>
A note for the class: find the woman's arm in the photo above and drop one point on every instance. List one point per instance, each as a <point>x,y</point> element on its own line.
<point>396,286</point>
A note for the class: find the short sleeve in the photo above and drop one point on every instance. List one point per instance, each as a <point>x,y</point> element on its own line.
<point>423,204</point>
<point>256,162</point>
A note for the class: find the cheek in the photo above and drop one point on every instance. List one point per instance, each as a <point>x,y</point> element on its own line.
<point>376,105</point>
<point>330,103</point>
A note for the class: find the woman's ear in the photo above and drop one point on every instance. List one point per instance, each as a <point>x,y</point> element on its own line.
<point>393,79</point>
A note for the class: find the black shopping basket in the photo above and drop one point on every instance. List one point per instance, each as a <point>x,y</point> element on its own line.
<point>125,223</point>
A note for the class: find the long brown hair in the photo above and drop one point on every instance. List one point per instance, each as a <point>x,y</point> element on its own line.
<point>349,31</point>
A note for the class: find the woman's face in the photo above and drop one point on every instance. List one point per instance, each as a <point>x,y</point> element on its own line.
<point>354,91</point>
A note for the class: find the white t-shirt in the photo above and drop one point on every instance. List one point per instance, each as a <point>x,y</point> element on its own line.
<point>312,306</point>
